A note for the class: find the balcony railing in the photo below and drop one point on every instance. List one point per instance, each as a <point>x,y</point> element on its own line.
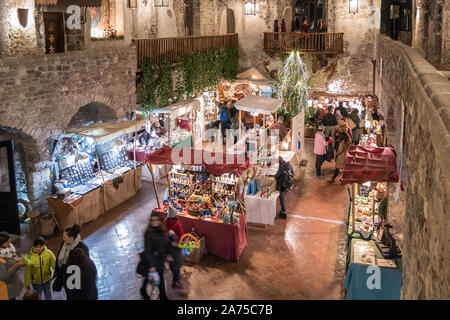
<point>170,49</point>
<point>313,43</point>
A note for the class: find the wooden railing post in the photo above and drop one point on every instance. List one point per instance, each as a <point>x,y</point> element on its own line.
<point>304,42</point>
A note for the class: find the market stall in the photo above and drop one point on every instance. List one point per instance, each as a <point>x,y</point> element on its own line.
<point>370,243</point>
<point>83,194</point>
<point>204,187</point>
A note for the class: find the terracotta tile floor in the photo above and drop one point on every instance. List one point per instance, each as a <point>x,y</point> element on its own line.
<point>297,258</point>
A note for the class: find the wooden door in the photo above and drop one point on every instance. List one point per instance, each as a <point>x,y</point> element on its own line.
<point>54,32</point>
<point>9,213</point>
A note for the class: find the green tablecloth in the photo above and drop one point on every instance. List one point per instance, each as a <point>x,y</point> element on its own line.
<point>185,143</point>
<point>358,275</point>
<point>357,283</point>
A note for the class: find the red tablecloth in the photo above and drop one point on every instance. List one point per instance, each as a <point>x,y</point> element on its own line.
<point>140,155</point>
<point>223,240</point>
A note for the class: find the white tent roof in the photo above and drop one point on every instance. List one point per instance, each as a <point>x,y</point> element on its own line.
<point>180,108</point>
<point>252,75</point>
<point>107,131</point>
<point>258,104</point>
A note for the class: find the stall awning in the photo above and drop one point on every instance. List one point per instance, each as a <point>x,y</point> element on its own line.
<point>370,164</point>
<point>258,104</point>
<point>180,108</point>
<point>253,76</point>
<point>66,3</point>
<point>225,163</point>
<point>107,131</point>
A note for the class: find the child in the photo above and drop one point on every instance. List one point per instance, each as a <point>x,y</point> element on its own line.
<point>40,273</point>
<point>174,235</point>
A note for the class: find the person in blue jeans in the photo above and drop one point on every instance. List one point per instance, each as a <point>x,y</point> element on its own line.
<point>40,272</point>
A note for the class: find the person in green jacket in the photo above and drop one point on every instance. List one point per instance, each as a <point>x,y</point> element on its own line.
<point>40,273</point>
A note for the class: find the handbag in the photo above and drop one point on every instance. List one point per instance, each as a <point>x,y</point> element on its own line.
<point>142,267</point>
<point>329,156</point>
<point>57,283</point>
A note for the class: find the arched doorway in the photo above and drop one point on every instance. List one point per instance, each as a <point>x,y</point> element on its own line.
<point>288,18</point>
<point>309,10</point>
<point>91,113</point>
<point>227,22</point>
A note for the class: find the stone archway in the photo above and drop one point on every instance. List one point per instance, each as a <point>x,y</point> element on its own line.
<point>90,113</point>
<point>27,155</point>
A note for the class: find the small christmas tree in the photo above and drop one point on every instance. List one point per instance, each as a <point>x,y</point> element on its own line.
<point>292,86</point>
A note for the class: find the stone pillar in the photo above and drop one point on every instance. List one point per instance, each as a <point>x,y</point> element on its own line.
<point>39,188</point>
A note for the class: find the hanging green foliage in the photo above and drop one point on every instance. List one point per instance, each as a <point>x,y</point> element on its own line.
<point>196,72</point>
<point>292,86</point>
<point>165,85</point>
<point>148,85</point>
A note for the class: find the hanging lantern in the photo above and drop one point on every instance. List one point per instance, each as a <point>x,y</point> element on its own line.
<point>250,7</point>
<point>161,3</point>
<point>22,14</point>
<point>353,6</point>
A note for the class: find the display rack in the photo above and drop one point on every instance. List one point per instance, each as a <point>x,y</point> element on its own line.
<point>77,174</point>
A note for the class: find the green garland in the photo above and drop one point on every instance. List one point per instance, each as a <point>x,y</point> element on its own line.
<point>165,85</point>
<point>149,85</point>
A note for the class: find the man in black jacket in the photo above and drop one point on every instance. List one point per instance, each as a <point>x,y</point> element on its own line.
<point>283,184</point>
<point>341,109</point>
<point>330,122</point>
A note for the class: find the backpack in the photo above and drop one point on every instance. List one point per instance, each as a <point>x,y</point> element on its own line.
<point>288,178</point>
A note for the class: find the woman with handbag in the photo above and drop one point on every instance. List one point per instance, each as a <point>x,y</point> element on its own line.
<point>88,272</point>
<point>341,153</point>
<point>71,240</point>
<point>155,253</point>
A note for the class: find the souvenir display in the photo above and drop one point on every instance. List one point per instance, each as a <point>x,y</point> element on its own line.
<point>364,253</point>
<point>113,159</point>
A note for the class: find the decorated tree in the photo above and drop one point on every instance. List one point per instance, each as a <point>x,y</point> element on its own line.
<point>292,87</point>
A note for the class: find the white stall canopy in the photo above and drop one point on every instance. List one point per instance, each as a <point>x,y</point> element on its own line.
<point>180,108</point>
<point>253,76</point>
<point>107,131</point>
<point>258,104</point>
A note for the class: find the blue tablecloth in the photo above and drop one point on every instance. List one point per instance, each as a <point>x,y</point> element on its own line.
<point>185,143</point>
<point>356,283</point>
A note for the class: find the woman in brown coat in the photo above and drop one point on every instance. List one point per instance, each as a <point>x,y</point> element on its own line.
<point>344,143</point>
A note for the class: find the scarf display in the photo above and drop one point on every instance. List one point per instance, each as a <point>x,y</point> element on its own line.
<point>65,250</point>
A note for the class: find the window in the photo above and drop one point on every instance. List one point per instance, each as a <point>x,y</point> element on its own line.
<point>107,21</point>
<point>310,10</point>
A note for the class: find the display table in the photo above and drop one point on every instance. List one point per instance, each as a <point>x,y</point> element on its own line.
<point>223,240</point>
<point>358,275</point>
<point>160,170</point>
<point>96,202</point>
<point>261,210</point>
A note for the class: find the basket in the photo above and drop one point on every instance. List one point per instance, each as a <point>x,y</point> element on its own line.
<point>196,211</point>
<point>197,253</point>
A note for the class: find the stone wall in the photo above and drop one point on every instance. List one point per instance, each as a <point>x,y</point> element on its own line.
<point>408,78</point>
<point>16,40</point>
<point>40,94</point>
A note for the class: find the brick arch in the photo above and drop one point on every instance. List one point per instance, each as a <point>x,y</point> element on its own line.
<point>93,98</point>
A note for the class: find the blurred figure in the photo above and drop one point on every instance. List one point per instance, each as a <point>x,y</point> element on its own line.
<point>31,295</point>
<point>330,122</point>
<point>282,130</point>
<point>355,118</point>
<point>283,184</point>
<point>155,251</point>
<point>342,109</point>
<point>40,273</point>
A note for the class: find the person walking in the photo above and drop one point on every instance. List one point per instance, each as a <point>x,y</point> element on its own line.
<point>174,235</point>
<point>71,241</point>
<point>225,119</point>
<point>155,252</point>
<point>355,118</point>
<point>10,284</point>
<point>40,273</point>
<point>344,144</point>
<point>88,272</point>
<point>341,109</point>
<point>320,149</point>
<point>285,180</point>
<point>330,122</point>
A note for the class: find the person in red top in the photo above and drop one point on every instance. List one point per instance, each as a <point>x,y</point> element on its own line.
<point>175,232</point>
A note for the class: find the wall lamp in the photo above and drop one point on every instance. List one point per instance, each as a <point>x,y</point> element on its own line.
<point>353,6</point>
